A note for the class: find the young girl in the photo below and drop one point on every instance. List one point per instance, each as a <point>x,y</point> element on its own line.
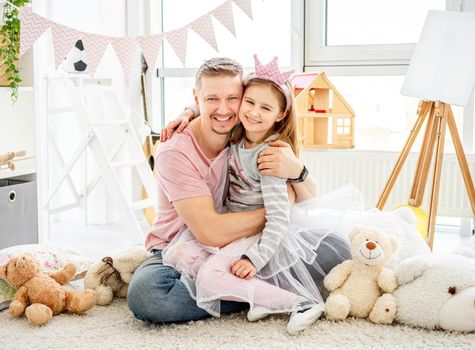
<point>266,270</point>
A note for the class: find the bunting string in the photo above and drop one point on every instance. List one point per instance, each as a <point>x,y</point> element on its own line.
<point>33,26</point>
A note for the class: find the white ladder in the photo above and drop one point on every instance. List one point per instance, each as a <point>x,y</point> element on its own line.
<point>93,129</point>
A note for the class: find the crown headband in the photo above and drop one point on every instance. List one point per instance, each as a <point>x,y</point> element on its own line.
<point>272,73</point>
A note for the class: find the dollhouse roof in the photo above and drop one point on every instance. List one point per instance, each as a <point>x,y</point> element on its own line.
<point>309,81</point>
<point>301,81</point>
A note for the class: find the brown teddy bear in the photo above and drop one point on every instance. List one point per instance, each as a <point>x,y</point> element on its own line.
<point>40,295</point>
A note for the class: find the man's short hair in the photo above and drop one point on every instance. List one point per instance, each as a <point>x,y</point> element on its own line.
<point>217,66</point>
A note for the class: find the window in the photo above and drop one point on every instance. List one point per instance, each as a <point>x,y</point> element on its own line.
<point>365,47</point>
<point>356,23</point>
<point>174,83</point>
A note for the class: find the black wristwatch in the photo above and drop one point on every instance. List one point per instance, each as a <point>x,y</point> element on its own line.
<point>302,177</point>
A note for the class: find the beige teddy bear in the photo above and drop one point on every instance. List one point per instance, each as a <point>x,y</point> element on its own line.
<point>111,276</point>
<point>40,295</point>
<point>357,285</point>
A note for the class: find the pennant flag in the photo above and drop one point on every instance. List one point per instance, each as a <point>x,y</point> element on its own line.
<point>150,46</point>
<point>64,39</point>
<point>125,50</point>
<point>32,27</point>
<point>203,26</point>
<point>245,5</point>
<point>178,41</point>
<point>224,14</point>
<point>94,46</point>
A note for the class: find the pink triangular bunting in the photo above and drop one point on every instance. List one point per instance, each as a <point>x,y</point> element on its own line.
<point>32,26</point>
<point>203,26</point>
<point>150,46</point>
<point>224,14</point>
<point>125,50</point>
<point>94,46</point>
<point>245,5</point>
<point>64,39</point>
<point>178,41</point>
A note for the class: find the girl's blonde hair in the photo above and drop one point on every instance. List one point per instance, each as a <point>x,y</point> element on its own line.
<point>285,129</point>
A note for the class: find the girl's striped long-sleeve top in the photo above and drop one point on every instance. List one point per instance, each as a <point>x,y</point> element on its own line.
<point>249,190</point>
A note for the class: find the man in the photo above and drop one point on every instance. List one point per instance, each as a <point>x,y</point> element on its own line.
<point>192,174</point>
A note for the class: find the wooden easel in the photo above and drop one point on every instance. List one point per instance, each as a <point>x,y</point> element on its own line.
<point>439,115</point>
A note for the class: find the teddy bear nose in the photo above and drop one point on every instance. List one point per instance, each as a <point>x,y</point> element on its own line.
<point>371,245</point>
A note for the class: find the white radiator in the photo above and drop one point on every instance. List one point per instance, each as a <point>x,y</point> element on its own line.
<point>370,170</point>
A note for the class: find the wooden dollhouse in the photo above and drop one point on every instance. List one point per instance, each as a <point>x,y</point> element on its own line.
<point>325,119</point>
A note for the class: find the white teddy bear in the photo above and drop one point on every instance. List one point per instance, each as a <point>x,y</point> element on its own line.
<point>437,291</point>
<point>357,285</point>
<point>111,276</point>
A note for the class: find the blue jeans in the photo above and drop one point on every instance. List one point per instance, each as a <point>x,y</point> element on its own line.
<point>157,295</point>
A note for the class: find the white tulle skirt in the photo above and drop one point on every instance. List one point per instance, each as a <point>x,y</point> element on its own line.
<point>284,284</point>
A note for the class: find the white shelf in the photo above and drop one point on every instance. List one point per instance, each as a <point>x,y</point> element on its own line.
<point>7,173</point>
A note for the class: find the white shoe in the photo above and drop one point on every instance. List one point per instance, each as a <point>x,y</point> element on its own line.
<point>302,320</point>
<point>258,313</point>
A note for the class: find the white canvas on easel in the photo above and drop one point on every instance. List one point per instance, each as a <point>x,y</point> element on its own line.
<point>442,67</point>
<point>441,73</point>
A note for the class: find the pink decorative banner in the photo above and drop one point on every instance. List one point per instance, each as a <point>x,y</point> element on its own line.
<point>32,27</point>
<point>125,49</point>
<point>94,46</point>
<point>203,26</point>
<point>178,40</point>
<point>150,46</point>
<point>64,39</point>
<point>245,5</point>
<point>224,14</point>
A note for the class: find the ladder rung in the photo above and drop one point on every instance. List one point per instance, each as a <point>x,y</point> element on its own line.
<point>126,163</point>
<point>141,204</point>
<point>59,110</point>
<point>111,122</point>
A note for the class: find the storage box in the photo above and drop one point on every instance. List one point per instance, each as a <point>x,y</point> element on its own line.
<point>18,213</point>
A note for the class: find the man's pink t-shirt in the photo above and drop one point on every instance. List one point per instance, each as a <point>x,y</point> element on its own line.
<point>183,171</point>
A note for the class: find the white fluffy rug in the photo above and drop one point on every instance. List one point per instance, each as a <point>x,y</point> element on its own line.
<point>114,327</point>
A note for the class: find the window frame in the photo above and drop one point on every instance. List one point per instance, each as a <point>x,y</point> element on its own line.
<point>369,60</point>
<point>394,57</point>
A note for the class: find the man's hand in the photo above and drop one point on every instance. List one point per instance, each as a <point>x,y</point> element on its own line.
<point>279,160</point>
<point>177,125</point>
<point>243,268</point>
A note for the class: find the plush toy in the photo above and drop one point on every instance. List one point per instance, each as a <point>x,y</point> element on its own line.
<point>437,291</point>
<point>111,276</point>
<point>39,295</point>
<point>357,285</point>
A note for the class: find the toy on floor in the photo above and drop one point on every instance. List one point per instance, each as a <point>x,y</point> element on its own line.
<point>111,276</point>
<point>357,285</point>
<point>437,291</point>
<point>421,219</point>
<point>6,160</point>
<point>39,295</point>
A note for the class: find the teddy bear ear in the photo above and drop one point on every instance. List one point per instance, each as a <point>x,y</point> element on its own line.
<point>355,231</point>
<point>411,268</point>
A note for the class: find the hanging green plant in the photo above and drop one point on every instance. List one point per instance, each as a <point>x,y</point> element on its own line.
<point>10,45</point>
